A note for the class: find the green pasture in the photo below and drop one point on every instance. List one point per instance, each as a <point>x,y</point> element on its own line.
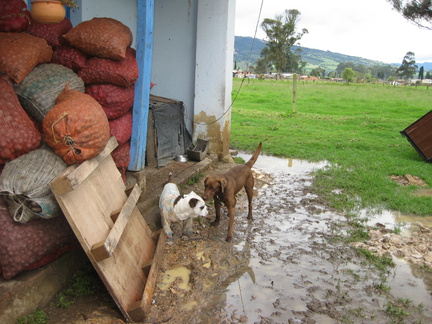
<point>356,127</point>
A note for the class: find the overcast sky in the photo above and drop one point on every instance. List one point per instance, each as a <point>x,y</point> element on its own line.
<point>366,28</point>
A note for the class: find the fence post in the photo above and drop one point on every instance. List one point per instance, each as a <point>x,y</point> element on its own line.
<point>294,93</point>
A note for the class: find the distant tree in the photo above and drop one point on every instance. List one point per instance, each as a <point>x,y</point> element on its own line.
<point>282,35</point>
<point>367,77</point>
<point>361,68</point>
<point>343,65</point>
<point>348,74</point>
<point>428,75</point>
<point>318,72</point>
<point>262,66</point>
<point>408,67</point>
<point>294,61</point>
<point>417,11</point>
<point>382,72</point>
<point>421,73</point>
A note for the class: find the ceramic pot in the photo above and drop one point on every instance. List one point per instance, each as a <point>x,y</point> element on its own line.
<point>47,11</point>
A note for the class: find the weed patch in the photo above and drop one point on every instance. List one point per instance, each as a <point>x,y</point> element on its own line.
<point>381,263</point>
<point>83,283</point>
<point>37,317</point>
<point>396,311</point>
<point>195,179</point>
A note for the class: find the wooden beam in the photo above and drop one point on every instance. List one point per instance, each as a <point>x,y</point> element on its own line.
<point>105,249</point>
<point>144,44</point>
<point>73,176</point>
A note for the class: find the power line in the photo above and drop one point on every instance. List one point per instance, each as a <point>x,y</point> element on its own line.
<point>241,84</point>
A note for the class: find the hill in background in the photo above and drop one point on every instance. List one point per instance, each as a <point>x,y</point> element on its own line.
<point>314,57</point>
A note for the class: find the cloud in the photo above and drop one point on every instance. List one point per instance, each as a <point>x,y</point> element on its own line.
<point>370,28</point>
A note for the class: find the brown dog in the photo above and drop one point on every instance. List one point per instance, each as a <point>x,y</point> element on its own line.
<point>224,187</point>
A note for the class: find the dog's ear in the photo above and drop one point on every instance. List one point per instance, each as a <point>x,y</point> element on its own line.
<point>223,183</point>
<point>193,202</point>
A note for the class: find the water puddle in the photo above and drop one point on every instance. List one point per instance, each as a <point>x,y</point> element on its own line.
<point>274,165</point>
<point>180,273</point>
<point>393,220</point>
<point>406,282</point>
<point>283,256</point>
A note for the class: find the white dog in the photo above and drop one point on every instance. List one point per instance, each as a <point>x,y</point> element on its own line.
<point>175,207</point>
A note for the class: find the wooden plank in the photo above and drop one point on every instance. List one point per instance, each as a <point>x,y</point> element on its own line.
<point>105,249</point>
<point>152,276</point>
<point>73,177</point>
<point>144,52</point>
<point>88,209</point>
<point>136,309</point>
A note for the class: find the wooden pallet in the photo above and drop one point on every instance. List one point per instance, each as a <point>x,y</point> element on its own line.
<point>103,215</point>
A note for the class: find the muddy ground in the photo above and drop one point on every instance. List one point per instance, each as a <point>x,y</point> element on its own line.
<point>289,265</point>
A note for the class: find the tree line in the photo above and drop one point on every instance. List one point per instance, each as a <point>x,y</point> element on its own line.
<point>282,35</point>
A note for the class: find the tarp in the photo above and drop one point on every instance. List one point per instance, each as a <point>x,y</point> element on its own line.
<point>172,137</point>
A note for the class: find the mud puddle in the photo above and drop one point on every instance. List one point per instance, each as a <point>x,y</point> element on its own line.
<point>286,266</point>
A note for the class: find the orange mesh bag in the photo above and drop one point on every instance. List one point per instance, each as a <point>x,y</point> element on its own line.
<point>18,133</point>
<point>121,157</point>
<point>70,57</point>
<point>122,73</point>
<point>14,16</point>
<point>52,33</point>
<point>21,52</point>
<point>121,127</point>
<point>102,37</point>
<point>76,127</point>
<point>115,100</point>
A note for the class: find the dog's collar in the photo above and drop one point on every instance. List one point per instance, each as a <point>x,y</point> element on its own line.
<point>218,198</point>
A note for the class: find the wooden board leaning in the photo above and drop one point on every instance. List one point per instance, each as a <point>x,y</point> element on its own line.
<point>113,233</point>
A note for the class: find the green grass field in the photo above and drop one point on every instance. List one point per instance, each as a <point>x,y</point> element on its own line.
<point>356,127</point>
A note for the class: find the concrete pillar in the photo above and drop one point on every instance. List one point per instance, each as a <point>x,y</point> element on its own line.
<point>213,73</point>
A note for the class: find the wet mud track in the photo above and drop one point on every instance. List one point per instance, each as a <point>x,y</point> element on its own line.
<point>285,266</point>
<point>288,265</point>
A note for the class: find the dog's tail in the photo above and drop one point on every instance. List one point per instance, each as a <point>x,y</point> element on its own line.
<point>254,157</point>
<point>169,179</point>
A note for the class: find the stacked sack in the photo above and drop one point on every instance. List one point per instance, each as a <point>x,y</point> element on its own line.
<point>109,75</point>
<point>48,122</point>
<point>33,231</point>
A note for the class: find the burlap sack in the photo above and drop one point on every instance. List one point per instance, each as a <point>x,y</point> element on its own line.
<point>21,52</point>
<point>24,184</point>
<point>40,89</point>
<point>102,37</point>
<point>18,133</point>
